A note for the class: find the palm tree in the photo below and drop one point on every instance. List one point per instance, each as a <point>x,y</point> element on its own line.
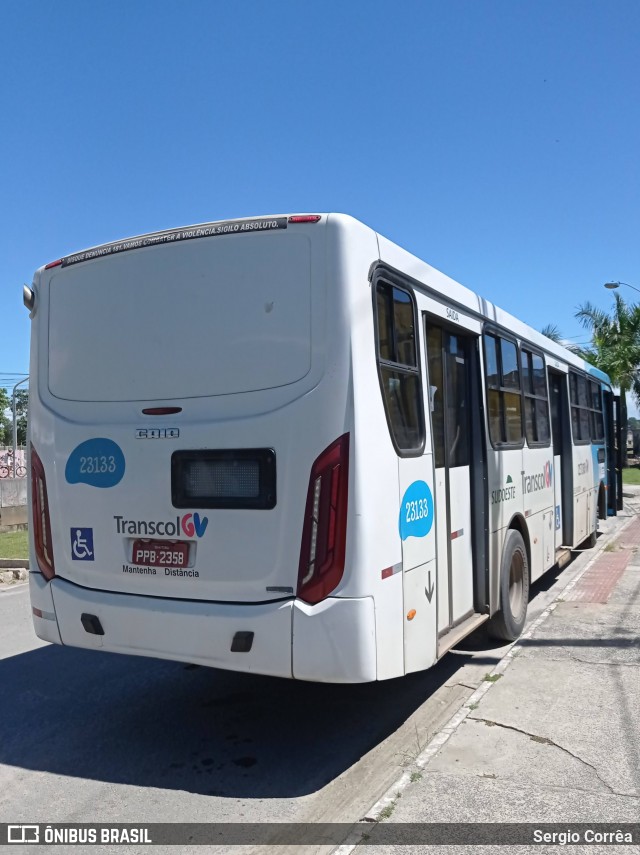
<point>615,349</point>
<point>615,343</point>
<point>551,331</point>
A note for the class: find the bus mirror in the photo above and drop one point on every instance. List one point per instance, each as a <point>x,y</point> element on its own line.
<point>28,297</point>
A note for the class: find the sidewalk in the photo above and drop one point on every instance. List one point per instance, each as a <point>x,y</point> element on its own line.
<point>556,737</point>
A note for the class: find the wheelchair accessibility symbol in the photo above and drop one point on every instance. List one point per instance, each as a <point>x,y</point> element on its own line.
<point>82,544</point>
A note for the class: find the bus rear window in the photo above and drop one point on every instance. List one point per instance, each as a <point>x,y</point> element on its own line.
<point>211,317</point>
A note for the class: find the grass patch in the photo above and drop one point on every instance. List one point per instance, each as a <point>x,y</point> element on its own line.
<point>631,475</point>
<point>491,678</point>
<point>14,544</point>
<point>416,776</point>
<point>385,813</point>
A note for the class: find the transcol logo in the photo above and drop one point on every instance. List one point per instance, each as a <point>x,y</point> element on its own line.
<point>541,481</point>
<point>190,525</point>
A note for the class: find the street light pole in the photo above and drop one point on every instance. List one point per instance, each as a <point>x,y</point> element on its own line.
<point>613,285</point>
<point>15,423</point>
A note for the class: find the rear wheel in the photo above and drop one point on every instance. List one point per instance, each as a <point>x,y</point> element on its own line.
<point>591,541</point>
<point>508,623</point>
<point>4,471</point>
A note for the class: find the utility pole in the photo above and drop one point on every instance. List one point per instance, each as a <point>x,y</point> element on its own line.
<point>15,422</point>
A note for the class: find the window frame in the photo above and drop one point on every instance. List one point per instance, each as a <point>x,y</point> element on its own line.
<point>580,408</point>
<point>534,351</point>
<point>599,440</point>
<point>386,277</point>
<point>499,334</point>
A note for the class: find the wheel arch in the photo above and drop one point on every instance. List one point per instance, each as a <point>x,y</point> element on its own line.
<point>519,524</point>
<point>514,579</point>
<point>602,501</point>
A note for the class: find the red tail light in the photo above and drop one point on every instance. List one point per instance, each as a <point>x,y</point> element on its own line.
<point>41,523</point>
<point>324,534</point>
<point>306,218</point>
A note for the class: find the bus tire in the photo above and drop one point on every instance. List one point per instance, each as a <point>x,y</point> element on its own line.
<point>508,623</point>
<point>591,541</point>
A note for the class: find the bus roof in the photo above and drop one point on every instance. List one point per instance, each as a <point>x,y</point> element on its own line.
<point>425,276</point>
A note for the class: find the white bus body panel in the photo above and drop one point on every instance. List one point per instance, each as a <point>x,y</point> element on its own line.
<point>312,360</point>
<point>537,485</point>
<point>184,630</point>
<point>584,492</point>
<point>43,611</point>
<point>263,340</point>
<point>334,641</point>
<point>235,555</point>
<point>557,499</point>
<point>461,543</point>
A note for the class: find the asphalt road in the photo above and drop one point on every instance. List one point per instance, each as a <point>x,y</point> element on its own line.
<point>88,736</point>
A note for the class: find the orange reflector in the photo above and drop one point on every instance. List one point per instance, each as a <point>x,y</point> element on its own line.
<point>37,612</point>
<point>411,614</point>
<point>388,571</point>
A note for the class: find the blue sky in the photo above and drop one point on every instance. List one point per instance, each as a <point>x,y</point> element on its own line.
<point>499,141</point>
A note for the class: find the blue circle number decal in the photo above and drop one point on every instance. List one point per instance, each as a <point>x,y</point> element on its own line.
<point>98,462</point>
<point>416,511</point>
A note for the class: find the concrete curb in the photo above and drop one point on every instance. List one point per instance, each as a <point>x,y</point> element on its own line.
<point>12,563</point>
<point>17,574</point>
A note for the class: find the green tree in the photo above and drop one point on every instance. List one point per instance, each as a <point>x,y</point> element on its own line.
<point>551,331</point>
<point>22,407</point>
<point>615,348</point>
<point>5,417</point>
<point>615,343</point>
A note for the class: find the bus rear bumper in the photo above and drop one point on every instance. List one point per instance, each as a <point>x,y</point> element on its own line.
<point>332,642</point>
<point>43,612</point>
<point>335,641</point>
<point>183,630</point>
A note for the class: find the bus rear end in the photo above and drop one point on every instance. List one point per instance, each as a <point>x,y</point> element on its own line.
<point>190,429</point>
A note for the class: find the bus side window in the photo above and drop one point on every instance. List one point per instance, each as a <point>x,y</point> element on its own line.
<point>536,400</point>
<point>436,378</point>
<point>581,407</point>
<point>597,422</point>
<point>504,395</point>
<point>398,367</point>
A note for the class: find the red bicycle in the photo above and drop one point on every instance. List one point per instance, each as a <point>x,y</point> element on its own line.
<point>7,469</point>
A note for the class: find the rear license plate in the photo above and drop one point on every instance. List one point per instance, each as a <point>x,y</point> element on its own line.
<point>160,553</point>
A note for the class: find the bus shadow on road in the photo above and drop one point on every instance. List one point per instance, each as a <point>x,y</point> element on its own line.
<point>151,723</point>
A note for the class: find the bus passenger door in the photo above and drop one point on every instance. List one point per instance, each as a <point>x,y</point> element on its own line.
<point>611,454</point>
<point>448,356</point>
<point>562,463</point>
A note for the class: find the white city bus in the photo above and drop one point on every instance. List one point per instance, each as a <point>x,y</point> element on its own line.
<point>284,445</point>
